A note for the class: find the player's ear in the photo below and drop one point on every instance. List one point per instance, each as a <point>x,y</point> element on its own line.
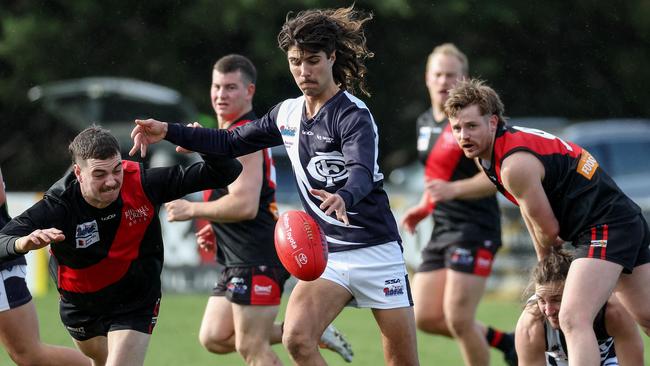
<point>77,172</point>
<point>494,121</point>
<point>332,57</point>
<point>250,90</point>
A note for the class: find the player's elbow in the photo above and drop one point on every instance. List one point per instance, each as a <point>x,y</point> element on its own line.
<point>248,211</point>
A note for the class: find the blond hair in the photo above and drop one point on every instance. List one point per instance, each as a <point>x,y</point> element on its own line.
<point>449,49</point>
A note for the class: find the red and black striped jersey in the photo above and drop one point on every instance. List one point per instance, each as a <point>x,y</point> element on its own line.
<point>455,220</point>
<point>250,242</point>
<point>112,257</point>
<point>581,194</point>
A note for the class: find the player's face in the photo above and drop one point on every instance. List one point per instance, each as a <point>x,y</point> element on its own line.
<point>443,73</point>
<point>100,180</point>
<point>549,298</point>
<point>474,132</point>
<point>312,71</point>
<point>231,95</point>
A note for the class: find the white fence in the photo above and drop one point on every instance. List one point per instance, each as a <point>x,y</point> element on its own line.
<point>186,271</point>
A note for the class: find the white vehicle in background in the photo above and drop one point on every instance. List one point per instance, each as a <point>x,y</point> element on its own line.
<point>622,148</point>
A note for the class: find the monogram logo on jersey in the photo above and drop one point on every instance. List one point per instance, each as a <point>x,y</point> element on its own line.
<point>87,234</point>
<point>328,167</point>
<point>137,215</point>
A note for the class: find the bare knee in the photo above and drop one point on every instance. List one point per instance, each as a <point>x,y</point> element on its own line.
<point>26,357</point>
<point>214,345</point>
<point>299,344</point>
<point>432,323</point>
<point>460,324</point>
<point>249,347</point>
<point>571,323</point>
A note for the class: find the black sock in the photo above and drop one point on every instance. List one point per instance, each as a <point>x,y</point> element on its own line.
<point>500,340</point>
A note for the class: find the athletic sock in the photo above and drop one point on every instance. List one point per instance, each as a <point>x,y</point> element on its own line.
<point>500,340</point>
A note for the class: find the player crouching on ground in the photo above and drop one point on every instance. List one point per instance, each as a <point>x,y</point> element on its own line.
<point>539,338</point>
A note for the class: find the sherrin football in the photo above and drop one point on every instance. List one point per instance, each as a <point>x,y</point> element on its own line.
<point>301,245</point>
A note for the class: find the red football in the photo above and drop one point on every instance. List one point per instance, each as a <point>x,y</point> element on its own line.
<point>301,245</point>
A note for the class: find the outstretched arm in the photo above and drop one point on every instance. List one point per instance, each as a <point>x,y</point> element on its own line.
<point>241,203</point>
<point>147,132</point>
<point>478,186</point>
<point>522,174</point>
<point>38,239</point>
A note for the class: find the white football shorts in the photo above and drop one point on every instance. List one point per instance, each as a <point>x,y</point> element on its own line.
<point>375,276</point>
<point>13,288</point>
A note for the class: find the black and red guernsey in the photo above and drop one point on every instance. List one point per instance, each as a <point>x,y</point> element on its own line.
<point>455,220</point>
<point>250,242</point>
<point>113,256</point>
<point>581,194</point>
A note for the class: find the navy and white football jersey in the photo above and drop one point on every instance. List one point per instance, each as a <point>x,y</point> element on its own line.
<point>336,150</point>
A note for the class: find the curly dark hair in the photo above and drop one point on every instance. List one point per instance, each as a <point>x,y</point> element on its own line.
<point>330,30</point>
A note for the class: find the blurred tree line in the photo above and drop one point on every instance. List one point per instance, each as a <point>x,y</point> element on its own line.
<point>575,59</point>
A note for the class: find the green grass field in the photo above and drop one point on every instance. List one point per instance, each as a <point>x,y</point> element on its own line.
<point>175,343</point>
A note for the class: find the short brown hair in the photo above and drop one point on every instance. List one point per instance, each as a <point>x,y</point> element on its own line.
<point>474,92</point>
<point>94,142</point>
<point>450,49</point>
<point>234,62</point>
<point>330,30</point>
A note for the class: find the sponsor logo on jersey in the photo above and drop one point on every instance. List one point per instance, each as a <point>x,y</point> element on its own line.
<point>308,133</point>
<point>328,167</point>
<point>87,234</point>
<point>327,139</point>
<point>136,215</point>
<point>287,131</point>
<point>587,165</point>
<point>111,216</point>
<point>393,287</point>
<point>424,136</point>
<point>262,290</point>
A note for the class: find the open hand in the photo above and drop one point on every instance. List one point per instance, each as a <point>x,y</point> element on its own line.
<point>38,239</point>
<point>332,203</point>
<point>146,132</point>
